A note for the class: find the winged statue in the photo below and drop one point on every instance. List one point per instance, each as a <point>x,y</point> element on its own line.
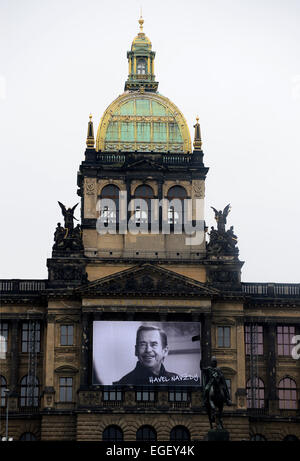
<point>221,217</point>
<point>68,214</point>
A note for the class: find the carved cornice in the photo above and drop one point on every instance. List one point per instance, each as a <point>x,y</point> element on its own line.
<point>147,280</point>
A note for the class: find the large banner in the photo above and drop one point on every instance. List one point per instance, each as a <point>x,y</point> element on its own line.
<point>146,353</point>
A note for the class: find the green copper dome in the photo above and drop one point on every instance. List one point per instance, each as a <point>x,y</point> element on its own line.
<point>138,121</point>
<point>141,119</point>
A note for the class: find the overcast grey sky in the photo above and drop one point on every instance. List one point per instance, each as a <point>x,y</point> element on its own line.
<point>235,63</point>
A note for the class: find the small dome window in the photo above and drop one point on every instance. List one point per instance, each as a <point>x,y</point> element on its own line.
<point>141,66</point>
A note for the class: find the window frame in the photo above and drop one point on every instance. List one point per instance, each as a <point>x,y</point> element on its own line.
<point>106,215</point>
<point>259,345</point>
<point>179,395</point>
<point>25,340</point>
<point>64,388</point>
<point>141,65</point>
<point>281,346</point>
<point>222,344</point>
<point>146,395</point>
<point>174,432</point>
<point>4,328</point>
<point>292,389</point>
<point>146,433</point>
<point>67,336</point>
<point>175,218</point>
<point>107,435</point>
<point>112,395</point>
<point>24,398</point>
<point>3,394</point>
<point>259,397</point>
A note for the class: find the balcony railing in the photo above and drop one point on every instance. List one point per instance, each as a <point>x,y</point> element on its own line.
<point>22,286</point>
<point>111,158</point>
<point>291,290</point>
<point>173,159</point>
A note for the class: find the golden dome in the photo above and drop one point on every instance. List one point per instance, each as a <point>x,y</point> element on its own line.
<point>144,122</point>
<point>141,40</point>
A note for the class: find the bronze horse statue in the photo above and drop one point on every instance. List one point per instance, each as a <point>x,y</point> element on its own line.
<point>216,393</point>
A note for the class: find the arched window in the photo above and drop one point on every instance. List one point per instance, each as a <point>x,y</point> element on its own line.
<point>141,66</point>
<point>255,393</point>
<point>177,194</point>
<point>142,204</point>
<point>287,393</point>
<point>109,204</point>
<point>28,437</point>
<point>290,438</point>
<point>29,392</point>
<point>180,433</point>
<point>146,433</point>
<point>3,387</point>
<point>112,434</point>
<point>258,438</point>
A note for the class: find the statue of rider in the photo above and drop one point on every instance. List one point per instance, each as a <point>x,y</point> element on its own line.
<point>214,375</point>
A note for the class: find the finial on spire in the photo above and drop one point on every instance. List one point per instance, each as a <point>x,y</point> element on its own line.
<point>141,21</point>
<point>197,138</point>
<point>90,140</point>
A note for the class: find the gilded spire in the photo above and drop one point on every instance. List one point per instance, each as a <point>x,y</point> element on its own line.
<point>141,63</point>
<point>197,138</point>
<point>141,21</point>
<point>90,140</point>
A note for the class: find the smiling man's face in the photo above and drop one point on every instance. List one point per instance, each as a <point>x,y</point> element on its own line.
<point>149,350</point>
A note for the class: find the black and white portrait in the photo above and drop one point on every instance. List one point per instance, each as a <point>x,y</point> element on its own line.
<point>146,353</point>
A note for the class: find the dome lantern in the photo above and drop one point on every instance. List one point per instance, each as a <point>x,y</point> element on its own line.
<point>141,63</point>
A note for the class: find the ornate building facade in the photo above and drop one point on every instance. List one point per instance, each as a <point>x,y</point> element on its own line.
<point>101,273</point>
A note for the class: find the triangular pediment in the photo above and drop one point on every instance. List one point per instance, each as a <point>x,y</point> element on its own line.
<point>147,280</point>
<point>145,164</point>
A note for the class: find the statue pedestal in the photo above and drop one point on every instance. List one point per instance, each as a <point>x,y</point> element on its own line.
<point>217,435</point>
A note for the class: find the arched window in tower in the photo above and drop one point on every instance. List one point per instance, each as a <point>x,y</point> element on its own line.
<point>255,393</point>
<point>287,393</point>
<point>176,196</point>
<point>141,66</point>
<point>29,392</point>
<point>109,205</point>
<point>142,204</point>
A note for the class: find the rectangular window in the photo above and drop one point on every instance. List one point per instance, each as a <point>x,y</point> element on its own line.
<point>112,133</point>
<point>127,131</point>
<point>65,389</point>
<point>145,396</point>
<point>112,395</point>
<point>178,396</point>
<point>143,131</point>
<point>254,339</point>
<point>284,340</point>
<point>3,339</point>
<point>159,132</point>
<point>223,336</point>
<point>66,335</point>
<point>228,382</point>
<point>31,337</point>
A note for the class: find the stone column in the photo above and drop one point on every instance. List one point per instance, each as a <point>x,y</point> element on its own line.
<point>270,389</point>
<point>241,365</point>
<point>160,196</point>
<point>206,340</point>
<point>48,394</point>
<point>13,382</point>
<point>14,366</point>
<point>128,190</point>
<point>85,349</point>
